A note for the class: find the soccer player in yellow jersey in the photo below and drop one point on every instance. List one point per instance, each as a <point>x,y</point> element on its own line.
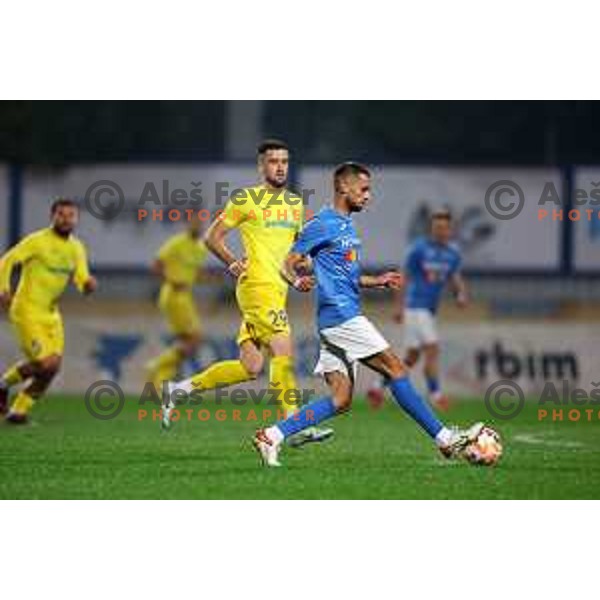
<point>268,217</point>
<point>179,265</point>
<point>49,258</point>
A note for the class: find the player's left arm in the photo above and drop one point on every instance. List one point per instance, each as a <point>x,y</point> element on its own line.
<point>17,255</point>
<point>393,280</point>
<point>82,278</point>
<point>457,283</point>
<point>458,286</point>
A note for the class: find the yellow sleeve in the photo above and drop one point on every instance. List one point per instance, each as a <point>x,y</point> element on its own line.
<point>236,210</point>
<point>164,252</point>
<point>82,271</point>
<point>18,254</point>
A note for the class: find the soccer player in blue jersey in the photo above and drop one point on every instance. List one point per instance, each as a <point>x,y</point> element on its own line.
<point>432,263</point>
<point>347,336</point>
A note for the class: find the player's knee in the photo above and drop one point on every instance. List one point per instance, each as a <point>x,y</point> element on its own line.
<point>27,370</point>
<point>394,366</point>
<point>189,345</point>
<point>50,363</point>
<point>254,364</point>
<point>47,368</point>
<point>342,400</point>
<point>412,356</point>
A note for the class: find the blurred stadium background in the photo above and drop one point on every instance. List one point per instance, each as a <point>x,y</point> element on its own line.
<point>535,283</point>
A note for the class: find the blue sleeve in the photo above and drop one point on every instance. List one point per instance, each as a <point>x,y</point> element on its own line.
<point>313,238</point>
<point>411,263</point>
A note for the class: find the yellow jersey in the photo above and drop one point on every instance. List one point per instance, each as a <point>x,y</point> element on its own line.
<point>182,256</point>
<point>48,262</point>
<point>269,221</point>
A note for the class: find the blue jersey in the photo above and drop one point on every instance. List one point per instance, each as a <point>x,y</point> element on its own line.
<point>331,241</point>
<point>429,266</point>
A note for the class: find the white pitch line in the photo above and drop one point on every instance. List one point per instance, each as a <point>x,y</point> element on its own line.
<point>537,440</point>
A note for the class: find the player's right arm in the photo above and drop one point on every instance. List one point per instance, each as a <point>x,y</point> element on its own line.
<point>18,254</point>
<point>312,239</point>
<point>411,264</point>
<point>214,238</point>
<point>398,301</point>
<point>290,271</point>
<point>84,281</point>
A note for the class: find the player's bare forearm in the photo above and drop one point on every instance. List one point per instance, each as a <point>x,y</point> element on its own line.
<point>391,279</point>
<point>459,288</point>
<point>368,281</point>
<point>290,271</point>
<point>214,239</point>
<point>398,302</point>
<point>90,286</point>
<point>290,265</point>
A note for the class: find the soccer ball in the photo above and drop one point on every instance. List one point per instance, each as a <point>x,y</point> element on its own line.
<point>486,449</point>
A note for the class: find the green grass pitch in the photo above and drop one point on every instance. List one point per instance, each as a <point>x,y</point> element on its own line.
<point>65,453</point>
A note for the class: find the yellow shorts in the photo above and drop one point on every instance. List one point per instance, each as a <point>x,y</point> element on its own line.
<point>180,312</point>
<point>263,315</point>
<point>39,335</point>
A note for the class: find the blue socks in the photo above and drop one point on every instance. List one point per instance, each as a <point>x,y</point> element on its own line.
<point>309,415</point>
<point>403,391</point>
<point>433,385</point>
<point>408,399</point>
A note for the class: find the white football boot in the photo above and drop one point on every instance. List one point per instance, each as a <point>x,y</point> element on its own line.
<point>267,448</point>
<point>459,439</point>
<point>310,435</point>
<point>167,407</point>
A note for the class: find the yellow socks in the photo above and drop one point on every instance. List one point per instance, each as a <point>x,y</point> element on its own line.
<point>281,372</point>
<point>12,376</point>
<point>226,372</point>
<point>22,404</point>
<point>164,368</point>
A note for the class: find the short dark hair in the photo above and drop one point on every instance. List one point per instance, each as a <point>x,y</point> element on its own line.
<point>60,201</point>
<point>440,214</point>
<point>271,144</point>
<point>350,168</point>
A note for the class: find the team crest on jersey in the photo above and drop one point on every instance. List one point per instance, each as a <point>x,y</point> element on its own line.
<point>350,245</point>
<point>435,271</point>
<point>351,255</point>
<point>59,264</point>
